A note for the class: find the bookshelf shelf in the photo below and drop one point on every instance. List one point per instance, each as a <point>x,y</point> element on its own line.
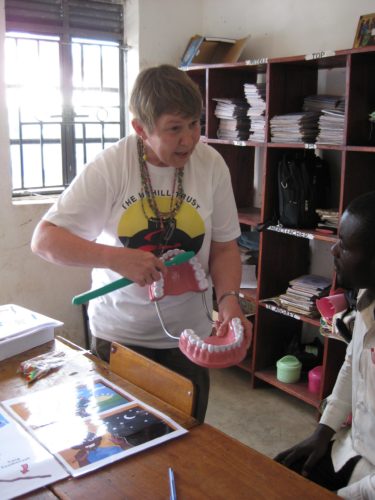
<point>299,390</point>
<point>249,216</point>
<point>287,253</point>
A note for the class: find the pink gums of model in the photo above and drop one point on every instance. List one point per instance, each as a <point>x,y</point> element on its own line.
<point>213,351</point>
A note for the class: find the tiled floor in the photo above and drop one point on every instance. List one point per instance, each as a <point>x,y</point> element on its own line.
<point>266,418</point>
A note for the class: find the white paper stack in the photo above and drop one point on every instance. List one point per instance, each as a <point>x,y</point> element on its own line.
<point>331,127</point>
<point>22,329</point>
<point>234,123</point>
<point>255,94</point>
<point>295,127</point>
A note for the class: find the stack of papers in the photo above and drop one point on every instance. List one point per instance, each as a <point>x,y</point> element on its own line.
<point>329,218</point>
<point>234,124</point>
<point>303,292</point>
<point>331,121</point>
<point>255,94</point>
<point>295,127</point>
<point>324,101</point>
<point>331,127</point>
<point>22,329</point>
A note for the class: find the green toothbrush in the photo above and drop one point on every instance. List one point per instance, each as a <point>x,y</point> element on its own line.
<point>115,285</point>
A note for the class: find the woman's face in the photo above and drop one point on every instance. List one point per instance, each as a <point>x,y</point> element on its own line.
<point>172,141</point>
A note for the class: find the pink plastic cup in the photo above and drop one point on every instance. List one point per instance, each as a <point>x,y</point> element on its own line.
<point>315,378</point>
<point>330,305</point>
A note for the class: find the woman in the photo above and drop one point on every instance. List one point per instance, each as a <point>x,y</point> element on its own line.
<point>151,192</point>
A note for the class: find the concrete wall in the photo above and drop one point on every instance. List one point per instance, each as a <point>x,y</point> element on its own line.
<point>157,32</point>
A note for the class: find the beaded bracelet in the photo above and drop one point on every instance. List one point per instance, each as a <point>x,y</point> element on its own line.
<point>239,296</point>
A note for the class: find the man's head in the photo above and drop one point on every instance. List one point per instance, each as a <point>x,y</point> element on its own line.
<point>164,90</point>
<point>354,252</point>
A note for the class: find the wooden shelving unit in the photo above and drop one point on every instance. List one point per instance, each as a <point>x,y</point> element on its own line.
<point>286,254</point>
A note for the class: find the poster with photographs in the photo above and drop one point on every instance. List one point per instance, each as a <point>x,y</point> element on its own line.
<point>90,424</point>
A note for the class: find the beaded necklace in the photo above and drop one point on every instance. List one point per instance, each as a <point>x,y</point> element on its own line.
<point>166,219</point>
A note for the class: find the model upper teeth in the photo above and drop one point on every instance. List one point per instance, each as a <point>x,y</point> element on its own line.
<point>157,287</point>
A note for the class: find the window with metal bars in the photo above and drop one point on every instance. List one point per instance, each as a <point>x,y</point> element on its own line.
<point>64,72</point>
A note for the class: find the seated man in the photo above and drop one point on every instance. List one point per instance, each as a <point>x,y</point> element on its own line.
<point>341,458</point>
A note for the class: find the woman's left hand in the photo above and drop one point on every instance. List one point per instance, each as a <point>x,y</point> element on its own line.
<point>229,311</point>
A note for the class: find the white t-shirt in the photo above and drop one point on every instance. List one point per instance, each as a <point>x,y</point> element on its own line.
<point>103,204</point>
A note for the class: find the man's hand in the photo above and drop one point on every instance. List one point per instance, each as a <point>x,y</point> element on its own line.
<point>312,449</point>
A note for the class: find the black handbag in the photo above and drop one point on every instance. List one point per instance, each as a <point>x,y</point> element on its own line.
<point>303,181</point>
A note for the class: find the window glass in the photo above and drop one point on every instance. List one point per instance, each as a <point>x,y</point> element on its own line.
<point>31,132</point>
<point>32,165</point>
<point>111,131</point>
<point>58,96</point>
<point>16,167</point>
<point>52,164</point>
<point>111,71</point>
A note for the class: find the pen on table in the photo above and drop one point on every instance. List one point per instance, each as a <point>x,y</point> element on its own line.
<point>172,485</point>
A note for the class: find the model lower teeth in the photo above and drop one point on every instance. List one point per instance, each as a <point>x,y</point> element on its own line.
<point>235,340</point>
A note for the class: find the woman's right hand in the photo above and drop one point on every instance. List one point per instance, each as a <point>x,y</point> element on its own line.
<point>143,268</point>
<point>60,246</point>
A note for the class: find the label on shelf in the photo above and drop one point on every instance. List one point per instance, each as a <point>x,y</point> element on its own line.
<point>292,232</point>
<point>320,55</point>
<point>254,62</point>
<point>240,143</point>
<point>282,311</point>
<point>310,145</point>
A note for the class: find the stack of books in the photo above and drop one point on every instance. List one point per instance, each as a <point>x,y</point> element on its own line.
<point>329,218</point>
<point>331,121</point>
<point>234,124</point>
<point>302,293</point>
<point>331,127</point>
<point>295,127</point>
<point>324,102</point>
<point>255,94</point>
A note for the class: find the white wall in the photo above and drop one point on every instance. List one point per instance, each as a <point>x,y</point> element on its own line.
<point>158,32</point>
<point>286,27</point>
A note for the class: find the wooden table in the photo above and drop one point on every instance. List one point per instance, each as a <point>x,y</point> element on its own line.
<point>207,463</point>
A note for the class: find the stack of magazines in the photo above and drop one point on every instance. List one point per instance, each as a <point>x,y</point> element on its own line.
<point>331,127</point>
<point>324,101</point>
<point>302,293</point>
<point>329,218</point>
<point>295,127</point>
<point>255,94</point>
<point>331,121</point>
<point>234,124</point>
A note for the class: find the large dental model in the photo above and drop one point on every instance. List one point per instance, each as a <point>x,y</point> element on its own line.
<point>185,274</point>
<point>213,351</point>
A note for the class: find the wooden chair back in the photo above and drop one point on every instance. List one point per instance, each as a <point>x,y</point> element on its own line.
<point>165,384</point>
